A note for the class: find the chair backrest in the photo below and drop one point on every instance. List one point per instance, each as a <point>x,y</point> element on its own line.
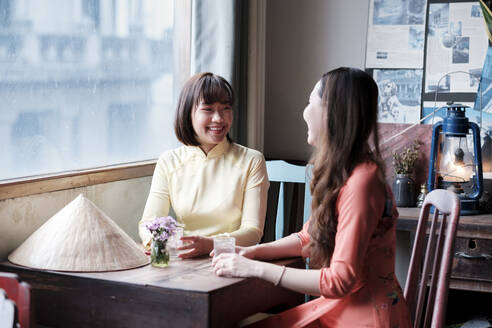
<point>284,205</point>
<point>428,305</point>
<point>20,293</point>
<point>7,311</point>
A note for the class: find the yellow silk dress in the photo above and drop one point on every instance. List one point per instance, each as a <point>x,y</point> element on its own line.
<point>222,192</point>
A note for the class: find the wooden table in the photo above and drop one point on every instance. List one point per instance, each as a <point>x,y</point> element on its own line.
<point>474,239</point>
<point>185,294</point>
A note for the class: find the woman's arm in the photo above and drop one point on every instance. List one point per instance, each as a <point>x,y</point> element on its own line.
<point>289,246</point>
<point>252,217</point>
<point>254,205</point>
<point>157,202</point>
<point>242,265</point>
<point>300,280</point>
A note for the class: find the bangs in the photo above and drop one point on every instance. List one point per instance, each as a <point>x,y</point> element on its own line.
<point>216,89</point>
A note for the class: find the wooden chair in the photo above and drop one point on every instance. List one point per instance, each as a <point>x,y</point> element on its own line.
<point>284,206</point>
<point>20,294</point>
<point>428,305</point>
<point>7,311</point>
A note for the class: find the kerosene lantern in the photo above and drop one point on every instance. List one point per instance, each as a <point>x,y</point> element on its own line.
<point>452,166</point>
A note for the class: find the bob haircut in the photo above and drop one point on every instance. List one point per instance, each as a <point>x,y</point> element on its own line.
<point>206,87</point>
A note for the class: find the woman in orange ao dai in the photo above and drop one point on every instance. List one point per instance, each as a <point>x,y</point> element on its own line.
<point>350,237</point>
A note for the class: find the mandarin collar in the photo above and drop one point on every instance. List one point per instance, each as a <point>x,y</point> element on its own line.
<point>217,151</point>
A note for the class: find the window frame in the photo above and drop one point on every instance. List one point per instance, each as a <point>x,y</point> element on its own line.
<point>39,184</point>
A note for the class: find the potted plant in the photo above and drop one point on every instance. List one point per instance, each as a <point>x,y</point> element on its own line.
<point>404,186</point>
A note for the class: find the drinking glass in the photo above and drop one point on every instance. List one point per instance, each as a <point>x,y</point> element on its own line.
<point>173,243</point>
<point>224,244</point>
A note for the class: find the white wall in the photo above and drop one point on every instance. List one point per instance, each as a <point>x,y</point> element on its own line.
<point>304,39</point>
<point>123,201</point>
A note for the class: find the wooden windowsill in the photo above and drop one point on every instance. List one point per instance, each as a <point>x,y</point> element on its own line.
<point>74,179</point>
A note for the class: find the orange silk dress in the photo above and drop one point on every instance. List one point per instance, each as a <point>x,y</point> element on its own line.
<point>359,288</point>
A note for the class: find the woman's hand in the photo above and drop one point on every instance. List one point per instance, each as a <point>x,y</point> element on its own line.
<point>235,265</point>
<point>197,244</point>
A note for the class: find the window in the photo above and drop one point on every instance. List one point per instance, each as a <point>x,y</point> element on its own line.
<point>85,83</point>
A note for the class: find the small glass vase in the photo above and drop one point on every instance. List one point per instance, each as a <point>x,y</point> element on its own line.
<point>159,255</point>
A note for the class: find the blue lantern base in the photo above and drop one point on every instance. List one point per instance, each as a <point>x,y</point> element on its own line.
<point>469,207</point>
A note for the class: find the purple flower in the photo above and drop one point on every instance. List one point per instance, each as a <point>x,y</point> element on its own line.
<point>162,228</point>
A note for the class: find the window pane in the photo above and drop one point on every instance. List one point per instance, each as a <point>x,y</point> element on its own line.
<point>84,83</point>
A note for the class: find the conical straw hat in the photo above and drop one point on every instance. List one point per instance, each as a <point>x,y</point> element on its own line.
<point>80,237</point>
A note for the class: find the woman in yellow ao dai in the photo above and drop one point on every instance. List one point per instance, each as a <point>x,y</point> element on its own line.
<point>214,186</point>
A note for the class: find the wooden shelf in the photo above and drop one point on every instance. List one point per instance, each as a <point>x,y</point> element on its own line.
<point>474,237</point>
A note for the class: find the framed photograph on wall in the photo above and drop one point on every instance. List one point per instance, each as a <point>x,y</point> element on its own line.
<point>400,93</point>
<point>395,36</point>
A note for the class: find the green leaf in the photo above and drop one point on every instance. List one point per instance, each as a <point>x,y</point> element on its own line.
<point>487,15</point>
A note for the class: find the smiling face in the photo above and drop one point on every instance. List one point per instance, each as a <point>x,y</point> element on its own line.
<point>211,123</point>
<point>203,115</point>
<point>313,115</point>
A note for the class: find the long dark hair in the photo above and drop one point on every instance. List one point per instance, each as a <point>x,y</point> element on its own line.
<point>350,101</point>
